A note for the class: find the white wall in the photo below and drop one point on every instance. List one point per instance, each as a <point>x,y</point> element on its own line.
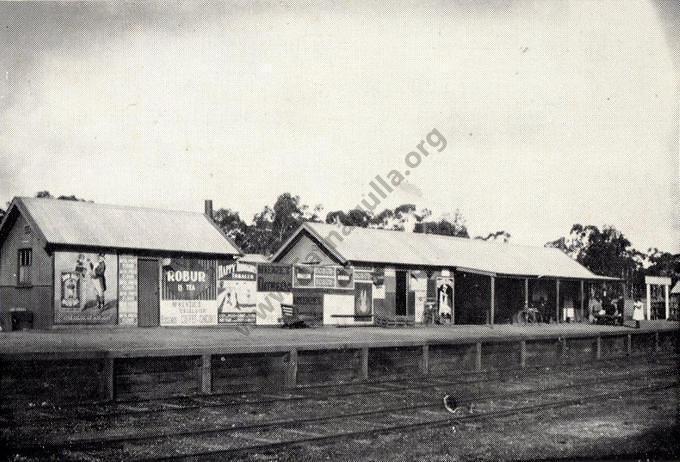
<point>340,304</point>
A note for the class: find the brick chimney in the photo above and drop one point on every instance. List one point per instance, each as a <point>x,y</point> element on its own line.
<point>208,208</point>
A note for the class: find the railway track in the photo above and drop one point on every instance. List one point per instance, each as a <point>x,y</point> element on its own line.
<point>387,427</point>
<point>180,404</point>
<point>368,422</point>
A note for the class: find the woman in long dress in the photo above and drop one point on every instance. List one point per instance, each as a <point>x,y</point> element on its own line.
<point>638,314</point>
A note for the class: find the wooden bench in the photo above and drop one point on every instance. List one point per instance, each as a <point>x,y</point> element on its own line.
<point>356,317</point>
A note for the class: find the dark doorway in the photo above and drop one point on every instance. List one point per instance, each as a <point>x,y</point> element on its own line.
<point>400,293</point>
<point>471,298</point>
<point>509,299</point>
<point>148,301</point>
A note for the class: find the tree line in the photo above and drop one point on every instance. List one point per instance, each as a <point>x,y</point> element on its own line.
<point>605,251</point>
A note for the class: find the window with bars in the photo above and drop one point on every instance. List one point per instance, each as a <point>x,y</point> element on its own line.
<point>25,259</point>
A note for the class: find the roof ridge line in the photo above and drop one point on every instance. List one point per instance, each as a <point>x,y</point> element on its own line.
<point>101,204</point>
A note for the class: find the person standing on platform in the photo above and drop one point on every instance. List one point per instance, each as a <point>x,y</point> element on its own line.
<point>595,309</point>
<point>638,314</point>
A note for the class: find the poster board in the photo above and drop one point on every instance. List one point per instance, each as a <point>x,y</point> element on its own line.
<point>274,278</point>
<point>85,288</point>
<point>188,292</point>
<point>236,292</point>
<point>330,277</point>
<point>363,298</point>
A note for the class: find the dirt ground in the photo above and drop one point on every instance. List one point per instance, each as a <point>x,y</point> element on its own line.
<point>631,428</point>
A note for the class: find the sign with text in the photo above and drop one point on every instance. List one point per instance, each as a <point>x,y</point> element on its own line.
<point>236,291</point>
<point>189,292</point>
<point>274,278</point>
<point>127,290</point>
<point>309,305</point>
<point>188,279</point>
<point>323,277</point>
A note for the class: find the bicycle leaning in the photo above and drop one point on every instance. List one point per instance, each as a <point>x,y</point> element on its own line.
<point>529,315</point>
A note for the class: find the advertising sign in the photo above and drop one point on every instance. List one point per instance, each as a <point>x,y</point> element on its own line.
<point>345,278</point>
<point>236,291</point>
<point>188,292</point>
<point>364,275</point>
<point>274,278</point>
<point>304,276</point>
<point>127,290</point>
<point>85,288</point>
<point>309,305</point>
<point>324,277</point>
<point>363,298</point>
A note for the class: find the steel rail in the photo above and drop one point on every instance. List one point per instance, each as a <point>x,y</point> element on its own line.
<point>85,443</point>
<point>412,426</point>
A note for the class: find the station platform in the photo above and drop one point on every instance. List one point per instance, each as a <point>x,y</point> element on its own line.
<point>122,342</point>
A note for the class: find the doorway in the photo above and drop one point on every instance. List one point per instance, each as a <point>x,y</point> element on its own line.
<point>400,293</point>
<point>148,293</point>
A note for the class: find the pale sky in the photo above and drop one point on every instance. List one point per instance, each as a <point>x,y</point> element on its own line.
<point>554,112</point>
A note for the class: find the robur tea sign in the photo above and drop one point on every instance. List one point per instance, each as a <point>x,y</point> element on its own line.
<point>186,280</point>
<point>189,279</point>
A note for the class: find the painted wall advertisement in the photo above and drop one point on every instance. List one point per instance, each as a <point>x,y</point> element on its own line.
<point>127,290</point>
<point>323,277</point>
<point>86,288</point>
<point>236,290</point>
<point>188,292</point>
<point>274,278</point>
<point>363,298</point>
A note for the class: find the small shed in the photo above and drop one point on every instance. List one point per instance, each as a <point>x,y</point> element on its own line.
<point>81,263</point>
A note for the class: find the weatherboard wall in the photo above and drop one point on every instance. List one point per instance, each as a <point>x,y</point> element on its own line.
<point>35,296</point>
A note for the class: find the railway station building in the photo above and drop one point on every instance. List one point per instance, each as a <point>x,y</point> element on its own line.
<point>71,263</point>
<point>404,278</point>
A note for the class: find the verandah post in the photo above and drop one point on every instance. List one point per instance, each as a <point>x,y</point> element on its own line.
<point>557,300</point>
<point>493,299</point>
<point>583,301</point>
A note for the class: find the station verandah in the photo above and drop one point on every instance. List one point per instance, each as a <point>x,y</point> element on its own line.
<point>491,299</point>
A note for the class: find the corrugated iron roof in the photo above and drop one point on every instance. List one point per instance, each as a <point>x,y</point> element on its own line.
<point>112,226</point>
<point>397,247</point>
<point>254,258</point>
